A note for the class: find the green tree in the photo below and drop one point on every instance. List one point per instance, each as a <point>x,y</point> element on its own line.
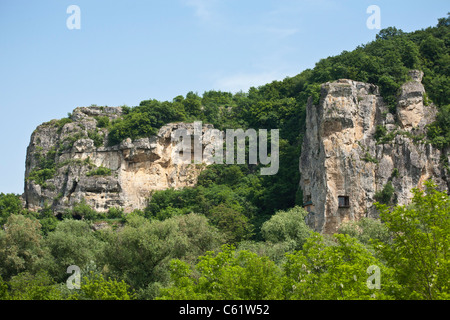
<point>21,246</point>
<point>82,210</point>
<point>9,204</point>
<point>140,252</point>
<point>389,32</point>
<point>366,230</point>
<point>224,276</point>
<point>336,271</point>
<point>233,224</point>
<point>47,219</point>
<point>73,242</point>
<point>439,131</point>
<point>419,252</point>
<point>192,104</point>
<point>96,287</point>
<point>287,226</point>
<point>4,293</point>
<point>40,286</point>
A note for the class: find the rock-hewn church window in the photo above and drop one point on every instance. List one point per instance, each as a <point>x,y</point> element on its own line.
<point>344,201</point>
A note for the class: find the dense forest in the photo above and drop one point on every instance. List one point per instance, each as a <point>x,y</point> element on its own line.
<point>238,234</point>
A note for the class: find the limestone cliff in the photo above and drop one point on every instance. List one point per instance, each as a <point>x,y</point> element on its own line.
<point>68,161</point>
<point>353,147</point>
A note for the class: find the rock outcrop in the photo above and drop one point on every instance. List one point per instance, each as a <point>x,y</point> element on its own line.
<point>353,147</point>
<point>76,164</point>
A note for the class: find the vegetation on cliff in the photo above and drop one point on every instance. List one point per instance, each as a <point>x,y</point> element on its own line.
<point>239,235</point>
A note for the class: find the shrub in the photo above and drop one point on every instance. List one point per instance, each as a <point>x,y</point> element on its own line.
<point>20,246</point>
<point>100,171</point>
<point>83,210</point>
<point>380,132</point>
<point>40,176</point>
<point>62,122</point>
<point>96,137</point>
<point>102,122</point>
<point>115,213</point>
<point>385,196</point>
<point>40,286</point>
<point>96,287</point>
<point>368,158</point>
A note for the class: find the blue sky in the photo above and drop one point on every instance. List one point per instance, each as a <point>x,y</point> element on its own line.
<point>129,51</point>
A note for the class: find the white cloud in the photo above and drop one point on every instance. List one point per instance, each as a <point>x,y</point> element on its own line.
<point>203,8</point>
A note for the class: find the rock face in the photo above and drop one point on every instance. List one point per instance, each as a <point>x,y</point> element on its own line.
<point>343,165</point>
<point>74,151</point>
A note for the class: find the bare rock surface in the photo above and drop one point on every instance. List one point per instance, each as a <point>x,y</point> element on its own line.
<point>342,165</point>
<point>136,167</point>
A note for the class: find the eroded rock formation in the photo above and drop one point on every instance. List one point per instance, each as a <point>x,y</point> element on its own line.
<point>343,165</point>
<point>133,168</point>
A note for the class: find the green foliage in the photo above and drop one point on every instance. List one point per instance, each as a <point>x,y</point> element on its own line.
<point>382,136</point>
<point>73,242</point>
<point>395,173</point>
<point>115,213</point>
<point>368,158</point>
<point>334,272</point>
<point>319,271</point>
<point>9,204</point>
<point>82,210</point>
<point>141,251</point>
<point>96,137</point>
<point>223,194</point>
<point>41,176</point>
<point>45,168</point>
<point>96,287</point>
<point>385,195</point>
<point>4,293</point>
<point>365,230</point>
<point>389,33</point>
<point>103,122</point>
<point>227,275</point>
<point>27,286</point>
<point>439,131</point>
<point>231,223</point>
<point>62,122</point>
<point>380,132</point>
<point>21,246</point>
<point>287,227</point>
<point>47,219</point>
<point>100,171</point>
<point>145,120</point>
<point>419,249</point>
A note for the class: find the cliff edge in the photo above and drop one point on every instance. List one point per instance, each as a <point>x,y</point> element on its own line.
<point>69,161</point>
<point>355,152</point>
